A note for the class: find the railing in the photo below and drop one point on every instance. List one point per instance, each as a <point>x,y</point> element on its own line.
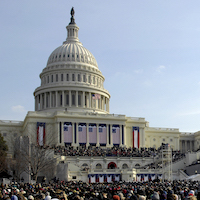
<point>11,121</point>
<point>149,171</point>
<point>161,129</point>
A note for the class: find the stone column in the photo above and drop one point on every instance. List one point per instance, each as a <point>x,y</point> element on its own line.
<point>50,96</point>
<point>120,135</point>
<point>97,135</point>
<point>40,101</point>
<point>83,99</point>
<point>107,129</point>
<point>107,106</point>
<point>90,100</point>
<point>35,103</point>
<point>177,143</point>
<point>70,98</point>
<point>62,135</point>
<point>56,98</point>
<point>76,98</point>
<point>63,98</point>
<point>73,135</point>
<point>111,138</point>
<point>58,133</point>
<point>87,134</point>
<point>103,103</point>
<point>142,138</point>
<point>125,134</point>
<point>77,139</point>
<point>45,99</point>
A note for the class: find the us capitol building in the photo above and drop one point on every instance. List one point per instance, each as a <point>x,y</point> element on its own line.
<point>72,107</point>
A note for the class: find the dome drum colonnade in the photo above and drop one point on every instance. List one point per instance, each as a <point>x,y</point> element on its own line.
<point>71,79</point>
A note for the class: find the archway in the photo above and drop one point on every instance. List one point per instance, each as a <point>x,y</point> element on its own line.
<point>112,165</point>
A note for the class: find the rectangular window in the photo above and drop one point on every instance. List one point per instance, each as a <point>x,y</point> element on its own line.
<point>56,77</point>
<point>47,79</point>
<point>67,78</point>
<point>79,100</point>
<point>100,130</point>
<point>79,77</point>
<point>61,77</point>
<point>51,78</point>
<point>84,80</point>
<point>61,99</point>
<point>80,129</point>
<point>73,99</point>
<point>73,77</point>
<point>67,99</point>
<point>90,129</point>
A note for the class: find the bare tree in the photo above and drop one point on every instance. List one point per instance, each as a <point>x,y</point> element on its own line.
<point>3,154</point>
<point>35,158</point>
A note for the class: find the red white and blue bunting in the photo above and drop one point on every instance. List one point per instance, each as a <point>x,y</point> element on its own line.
<point>40,133</point>
<point>147,177</point>
<point>101,178</point>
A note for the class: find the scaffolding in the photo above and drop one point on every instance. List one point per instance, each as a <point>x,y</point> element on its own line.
<point>166,154</point>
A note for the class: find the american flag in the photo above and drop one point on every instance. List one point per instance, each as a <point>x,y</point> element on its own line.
<point>82,132</point>
<point>102,134</point>
<point>96,96</point>
<point>116,134</point>
<point>67,132</point>
<point>40,133</point>
<point>136,137</point>
<point>92,133</point>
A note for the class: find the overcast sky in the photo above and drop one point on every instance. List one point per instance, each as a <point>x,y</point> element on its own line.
<point>148,51</point>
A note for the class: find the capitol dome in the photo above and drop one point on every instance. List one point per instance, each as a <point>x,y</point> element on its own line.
<point>71,79</point>
<point>72,52</point>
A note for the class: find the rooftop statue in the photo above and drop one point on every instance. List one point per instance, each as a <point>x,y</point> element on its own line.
<point>72,16</point>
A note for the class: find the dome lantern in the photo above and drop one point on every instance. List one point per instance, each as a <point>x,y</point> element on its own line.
<point>72,29</point>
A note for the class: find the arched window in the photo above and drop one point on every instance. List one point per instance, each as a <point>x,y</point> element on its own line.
<point>85,165</point>
<point>98,166</point>
<point>124,166</point>
<point>112,165</point>
<point>137,165</point>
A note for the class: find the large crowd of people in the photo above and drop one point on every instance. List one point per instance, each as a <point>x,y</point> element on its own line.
<point>99,151</point>
<point>117,151</point>
<point>61,190</point>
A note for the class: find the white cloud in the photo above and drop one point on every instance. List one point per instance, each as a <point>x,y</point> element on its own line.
<point>18,109</point>
<point>160,68</point>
